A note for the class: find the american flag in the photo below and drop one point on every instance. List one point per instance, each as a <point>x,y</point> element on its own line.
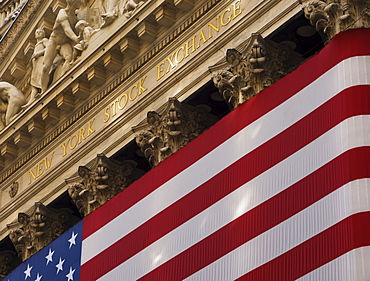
<point>277,190</point>
<point>60,260</point>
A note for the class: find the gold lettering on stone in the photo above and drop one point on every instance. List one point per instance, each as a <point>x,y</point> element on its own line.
<point>41,167</point>
<point>76,139</point>
<point>201,38</point>
<point>121,102</point>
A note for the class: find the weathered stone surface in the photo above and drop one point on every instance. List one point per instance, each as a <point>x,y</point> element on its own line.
<point>33,232</point>
<point>332,17</point>
<point>8,262</point>
<point>96,185</point>
<point>261,64</point>
<point>165,133</point>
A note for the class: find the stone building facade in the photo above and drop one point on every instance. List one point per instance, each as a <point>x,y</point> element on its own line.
<point>95,93</point>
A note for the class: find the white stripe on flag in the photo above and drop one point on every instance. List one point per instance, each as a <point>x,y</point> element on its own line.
<point>348,267</point>
<point>338,78</point>
<point>290,233</point>
<point>351,133</point>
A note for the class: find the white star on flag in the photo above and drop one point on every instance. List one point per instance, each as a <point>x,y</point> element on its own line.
<point>38,278</point>
<point>49,257</point>
<point>28,271</point>
<point>72,240</point>
<point>60,265</point>
<point>70,274</point>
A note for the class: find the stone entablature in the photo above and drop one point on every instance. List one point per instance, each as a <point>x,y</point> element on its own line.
<point>82,84</point>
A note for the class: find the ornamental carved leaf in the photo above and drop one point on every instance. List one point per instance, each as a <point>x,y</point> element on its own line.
<point>35,230</point>
<point>166,132</point>
<point>259,65</point>
<point>97,184</point>
<point>8,262</point>
<point>332,17</point>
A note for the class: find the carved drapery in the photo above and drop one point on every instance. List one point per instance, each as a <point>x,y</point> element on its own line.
<point>96,185</point>
<point>8,262</point>
<point>32,232</point>
<point>247,73</point>
<point>164,134</point>
<point>334,16</point>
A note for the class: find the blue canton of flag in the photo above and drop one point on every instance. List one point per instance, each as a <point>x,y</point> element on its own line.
<point>58,261</point>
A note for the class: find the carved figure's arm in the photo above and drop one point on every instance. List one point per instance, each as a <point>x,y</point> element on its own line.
<point>68,30</point>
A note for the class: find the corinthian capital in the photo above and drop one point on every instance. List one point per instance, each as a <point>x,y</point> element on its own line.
<point>166,132</point>
<point>259,65</point>
<point>32,232</point>
<point>96,185</point>
<point>8,262</point>
<point>333,16</point>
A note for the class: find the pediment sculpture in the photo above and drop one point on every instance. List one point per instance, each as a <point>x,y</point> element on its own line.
<point>11,102</point>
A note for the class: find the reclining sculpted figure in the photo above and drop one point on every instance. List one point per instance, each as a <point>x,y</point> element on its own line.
<point>11,101</point>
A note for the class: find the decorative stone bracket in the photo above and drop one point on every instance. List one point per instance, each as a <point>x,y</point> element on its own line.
<point>247,73</point>
<point>96,185</point>
<point>332,16</point>
<point>163,134</point>
<point>33,232</point>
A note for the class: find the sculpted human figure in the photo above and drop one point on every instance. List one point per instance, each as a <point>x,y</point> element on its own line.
<point>63,36</point>
<point>129,7</point>
<point>11,101</point>
<point>37,64</point>
<point>111,12</point>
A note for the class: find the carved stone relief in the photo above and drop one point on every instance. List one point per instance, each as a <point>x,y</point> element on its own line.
<point>96,185</point>
<point>130,6</point>
<point>13,189</point>
<point>61,42</point>
<point>332,17</point>
<point>165,133</point>
<point>37,65</point>
<point>261,64</point>
<point>111,11</point>
<point>11,101</point>
<point>8,262</point>
<point>32,232</point>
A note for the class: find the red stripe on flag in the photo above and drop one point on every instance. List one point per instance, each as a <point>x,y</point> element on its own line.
<point>351,102</point>
<point>351,233</point>
<point>267,215</point>
<point>235,121</point>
